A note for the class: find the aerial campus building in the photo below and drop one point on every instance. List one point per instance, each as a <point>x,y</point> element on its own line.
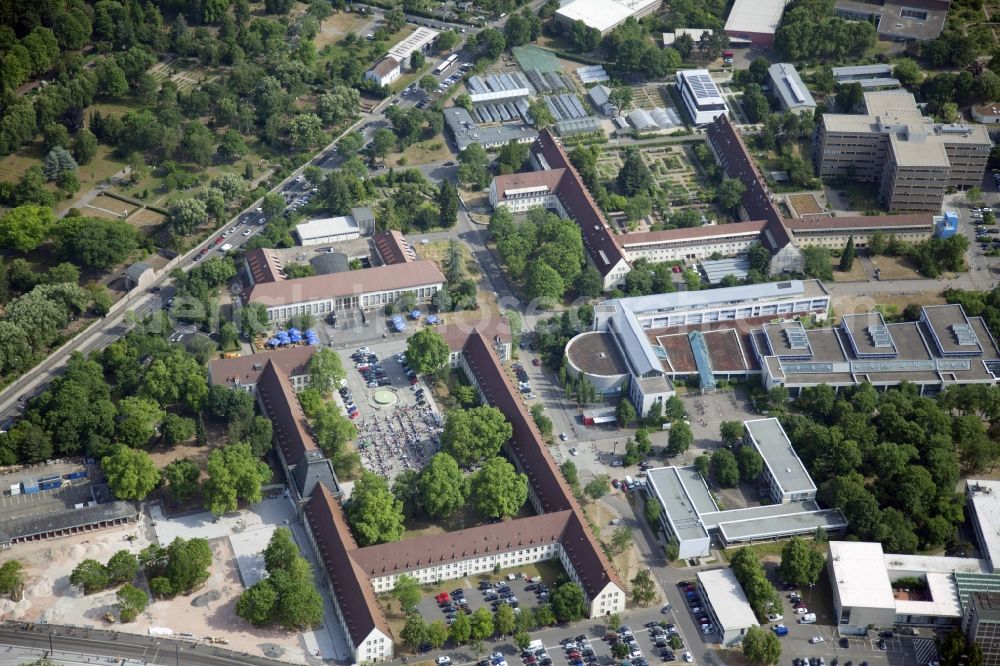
<point>327,230</point>
<point>702,98</point>
<point>319,295</point>
<point>726,605</point>
<point>691,517</point>
<point>604,15</point>
<point>788,88</point>
<point>913,20</point>
<point>390,66</point>
<point>754,22</point>
<point>354,574</point>
<point>913,159</point>
<point>634,340</point>
<point>555,184</point>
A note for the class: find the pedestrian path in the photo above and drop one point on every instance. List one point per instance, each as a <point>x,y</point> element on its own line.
<point>924,650</point>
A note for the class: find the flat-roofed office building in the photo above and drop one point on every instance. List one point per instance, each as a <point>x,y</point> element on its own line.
<point>727,605</point>
<point>912,158</point>
<point>701,96</point>
<point>786,477</point>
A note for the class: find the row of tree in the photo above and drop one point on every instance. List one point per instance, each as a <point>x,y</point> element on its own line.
<point>287,596</point>
<point>546,252</point>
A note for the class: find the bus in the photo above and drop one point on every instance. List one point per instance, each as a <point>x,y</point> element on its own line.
<point>448,62</point>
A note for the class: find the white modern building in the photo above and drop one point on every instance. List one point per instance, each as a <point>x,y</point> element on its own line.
<point>385,71</point>
<point>862,577</point>
<point>701,96</point>
<point>691,517</point>
<point>327,230</point>
<point>604,15</point>
<point>755,21</point>
<point>421,39</point>
<point>726,604</point>
<point>983,500</point>
<point>785,475</point>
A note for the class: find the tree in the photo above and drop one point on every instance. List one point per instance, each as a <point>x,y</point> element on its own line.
<point>375,515</point>
<point>598,487</point>
<point>414,631</point>
<point>84,146</point>
<point>325,370</point>
<point>725,470</point>
<point>186,564</point>
<point>94,242</point>
<point>407,592</point>
<point>731,432</point>
<point>634,176</point>
<point>234,473</point>
<point>643,588</point>
<point>382,142</point>
<point>504,621</point>
<point>625,413</point>
<point>907,72</point>
<point>427,351</point>
<point>181,476</point>
<point>801,564</point>
<point>621,98</point>
<point>25,227</point>
<point>437,633</point>
<point>730,193</point>
<point>482,624</point>
<point>498,491</point>
<point>443,487</point>
<point>198,143</point>
<point>761,647</point>
<point>231,146</point>
<point>473,435</point>
<point>90,575</point>
<point>138,419</point>
<point>186,215</point>
<point>131,474</point>
<point>849,97</point>
<point>750,462</point>
<point>816,263</point>
<point>545,284</point>
<point>755,104</point>
<point>11,576</point>
<point>131,602</point>
<point>621,539</point>
<point>680,438</point>
<point>540,113</point>
<point>122,567</point>
<point>473,167</point>
<point>461,629</point>
<point>257,604</point>
<point>847,257</point>
<point>567,602</point>
<point>512,157</point>
<point>447,201</point>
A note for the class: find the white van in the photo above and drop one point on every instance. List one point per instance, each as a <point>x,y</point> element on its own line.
<point>808,618</point>
<point>630,482</point>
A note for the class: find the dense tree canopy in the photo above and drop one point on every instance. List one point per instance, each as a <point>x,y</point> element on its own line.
<point>473,435</point>
<point>376,516</point>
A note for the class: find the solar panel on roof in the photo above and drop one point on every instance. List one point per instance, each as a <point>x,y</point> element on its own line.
<point>796,338</point>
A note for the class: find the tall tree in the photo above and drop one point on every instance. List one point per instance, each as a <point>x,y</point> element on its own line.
<point>443,487</point>
<point>234,473</point>
<point>375,515</point>
<point>427,351</point>
<point>498,490</point>
<point>131,474</point>
<point>847,257</point>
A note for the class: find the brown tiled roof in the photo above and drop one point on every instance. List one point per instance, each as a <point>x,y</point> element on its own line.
<point>456,334</point>
<point>385,65</point>
<point>392,247</point>
<point>434,549</point>
<point>580,206</point>
<point>349,283</point>
<point>353,591</point>
<point>550,178</point>
<point>533,458</point>
<point>291,430</point>
<point>293,361</point>
<point>861,221</point>
<point>737,163</point>
<point>264,266</point>
<point>711,231</point>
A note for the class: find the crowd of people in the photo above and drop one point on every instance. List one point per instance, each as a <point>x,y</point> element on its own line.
<point>404,438</point>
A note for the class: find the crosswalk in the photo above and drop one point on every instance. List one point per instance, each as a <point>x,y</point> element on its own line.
<point>924,650</point>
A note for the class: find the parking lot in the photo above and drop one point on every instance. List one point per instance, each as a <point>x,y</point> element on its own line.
<point>522,597</point>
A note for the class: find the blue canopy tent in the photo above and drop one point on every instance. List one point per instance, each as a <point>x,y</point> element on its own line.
<point>415,314</point>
